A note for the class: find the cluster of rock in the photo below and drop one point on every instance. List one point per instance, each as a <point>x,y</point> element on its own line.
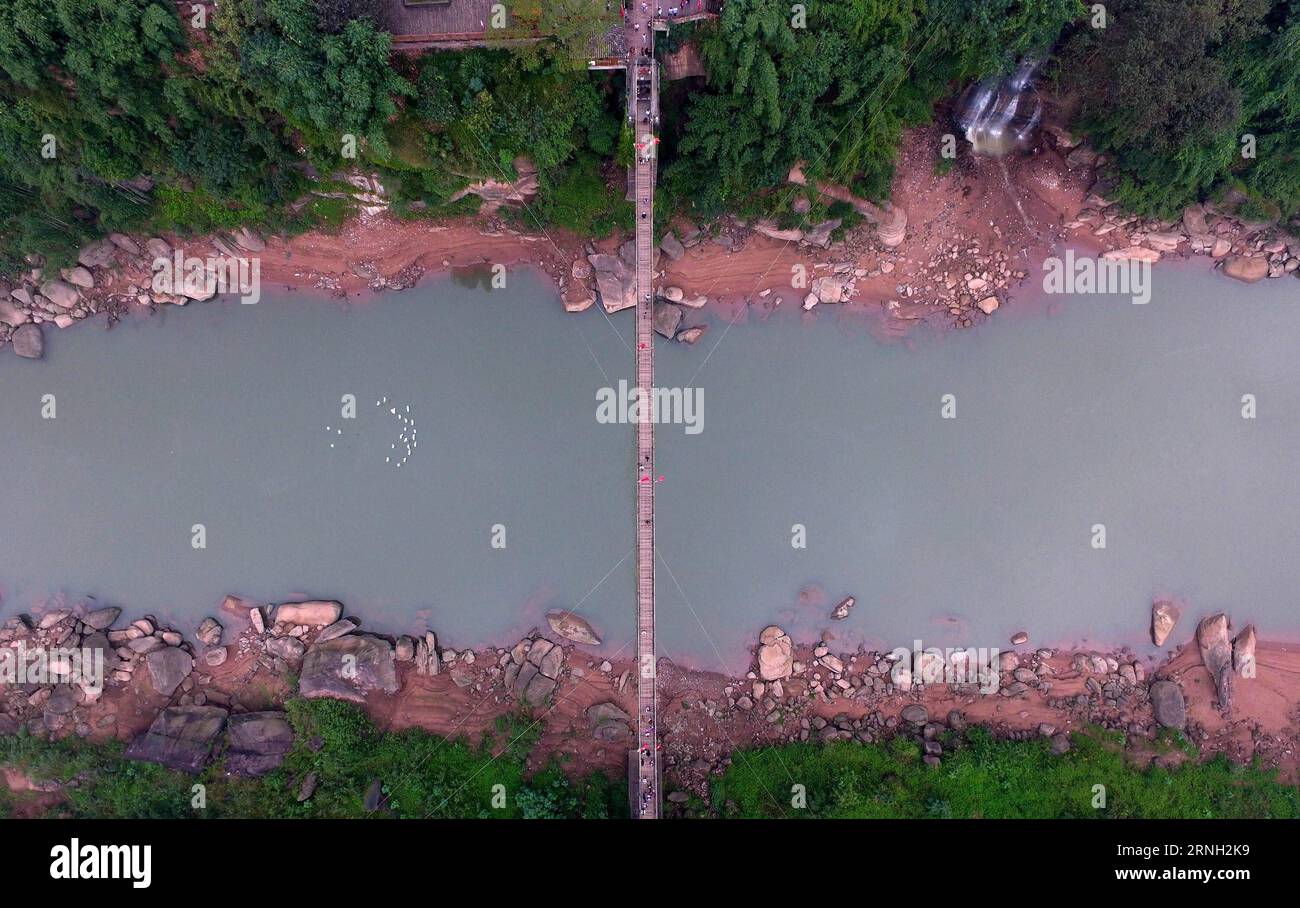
<point>962,279</point>
<point>1223,656</point>
<point>883,695</point>
<point>378,282</point>
<point>56,706</point>
<point>1246,250</point>
<point>96,284</point>
<point>63,704</point>
<point>368,196</point>
<point>611,279</point>
<point>1115,685</point>
<point>533,670</point>
<point>313,638</point>
<point>914,720</point>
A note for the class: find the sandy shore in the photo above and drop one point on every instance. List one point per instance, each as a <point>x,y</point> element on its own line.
<point>976,237</point>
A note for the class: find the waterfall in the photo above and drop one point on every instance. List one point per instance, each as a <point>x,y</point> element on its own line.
<point>1001,112</point>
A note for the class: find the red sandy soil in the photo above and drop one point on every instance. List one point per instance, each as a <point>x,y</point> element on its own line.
<point>971,205</point>
<point>700,730</point>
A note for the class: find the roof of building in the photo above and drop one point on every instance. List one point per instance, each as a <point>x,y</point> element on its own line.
<point>438,17</point>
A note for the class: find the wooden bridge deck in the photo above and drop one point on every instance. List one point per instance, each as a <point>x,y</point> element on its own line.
<point>644,109</point>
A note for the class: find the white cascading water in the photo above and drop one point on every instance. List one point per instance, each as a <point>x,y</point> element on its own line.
<point>999,115</point>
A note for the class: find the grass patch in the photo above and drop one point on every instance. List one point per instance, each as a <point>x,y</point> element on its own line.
<point>994,779</point>
<point>422,775</point>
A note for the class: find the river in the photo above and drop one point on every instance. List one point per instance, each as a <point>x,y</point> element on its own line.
<point>224,424</point>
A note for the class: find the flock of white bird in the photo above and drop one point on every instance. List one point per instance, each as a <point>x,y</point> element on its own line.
<point>406,437</point>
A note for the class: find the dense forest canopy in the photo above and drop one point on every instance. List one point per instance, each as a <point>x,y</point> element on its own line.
<point>1191,96</point>
<point>837,88</point>
<point>127,114</point>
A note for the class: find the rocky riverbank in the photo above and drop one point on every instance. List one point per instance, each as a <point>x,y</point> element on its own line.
<point>950,250</point>
<point>181,699</point>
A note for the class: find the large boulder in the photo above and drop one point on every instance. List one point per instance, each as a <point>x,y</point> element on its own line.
<point>248,240</point>
<point>337,629</point>
<point>1164,615</point>
<point>348,668</point>
<point>615,281</point>
<point>61,293</point>
<point>539,690</point>
<point>1132,253</point>
<point>168,667</point>
<point>313,613</point>
<point>1216,654</point>
<point>209,632</point>
<point>892,230</point>
<point>101,619</point>
<point>579,295</point>
<point>495,193</point>
<point>829,289</point>
<point>96,255</point>
<point>609,723</point>
<point>548,658</point>
<point>770,230</point>
<point>1246,268</point>
<point>1168,704</point>
<point>11,315</point>
<point>667,319</point>
<point>28,341</point>
<point>775,654</point>
<point>672,247</point>
<point>257,742</point>
<point>1243,652</point>
<point>691,335</point>
<point>915,714</point>
<point>820,234</point>
<point>1164,240</point>
<point>572,627</point>
<point>1194,220</point>
<point>181,737</point>
<point>531,686</point>
<point>125,243</point>
<point>290,649</point>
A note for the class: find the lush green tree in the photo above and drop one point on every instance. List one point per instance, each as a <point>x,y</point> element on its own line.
<point>492,109</point>
<point>326,85</point>
<point>836,90</point>
<point>1270,81</point>
<point>333,15</point>
<point>1170,88</point>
